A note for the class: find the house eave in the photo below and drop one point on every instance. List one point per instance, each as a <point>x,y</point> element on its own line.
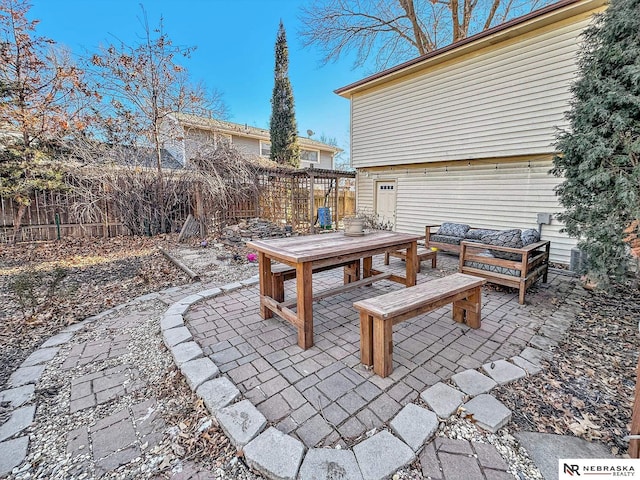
<point>535,20</point>
<point>250,132</point>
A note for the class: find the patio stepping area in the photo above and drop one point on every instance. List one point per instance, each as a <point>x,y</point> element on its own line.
<point>269,395</point>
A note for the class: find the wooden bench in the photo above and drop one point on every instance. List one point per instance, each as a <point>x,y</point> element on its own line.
<point>281,272</point>
<point>423,254</point>
<point>379,314</point>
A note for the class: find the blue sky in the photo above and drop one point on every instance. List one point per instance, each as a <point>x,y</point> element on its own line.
<point>235,51</point>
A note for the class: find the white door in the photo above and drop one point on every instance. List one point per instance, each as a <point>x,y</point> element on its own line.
<point>386,202</point>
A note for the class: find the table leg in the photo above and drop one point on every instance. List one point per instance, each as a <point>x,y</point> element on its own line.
<point>304,288</point>
<point>266,288</point>
<point>367,264</point>
<point>411,264</point>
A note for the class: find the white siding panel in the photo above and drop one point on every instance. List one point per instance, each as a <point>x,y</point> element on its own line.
<point>506,102</point>
<point>510,196</point>
<point>364,193</point>
<point>326,160</point>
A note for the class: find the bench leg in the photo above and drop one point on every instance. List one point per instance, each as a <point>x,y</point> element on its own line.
<point>352,272</point>
<point>386,258</point>
<point>434,261</point>
<point>469,309</point>
<point>277,286</point>
<point>367,266</point>
<point>266,285</point>
<point>474,314</point>
<point>366,339</point>
<point>458,312</point>
<point>382,347</point>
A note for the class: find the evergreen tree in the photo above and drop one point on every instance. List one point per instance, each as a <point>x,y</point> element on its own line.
<point>282,127</point>
<point>600,157</point>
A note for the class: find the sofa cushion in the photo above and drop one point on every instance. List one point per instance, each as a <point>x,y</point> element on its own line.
<point>453,229</point>
<point>529,236</point>
<point>446,239</point>
<point>478,233</point>
<point>505,238</point>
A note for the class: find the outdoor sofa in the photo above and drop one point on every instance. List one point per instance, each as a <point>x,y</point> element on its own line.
<point>513,258</point>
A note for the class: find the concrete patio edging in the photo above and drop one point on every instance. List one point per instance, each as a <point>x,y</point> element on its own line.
<point>261,459</point>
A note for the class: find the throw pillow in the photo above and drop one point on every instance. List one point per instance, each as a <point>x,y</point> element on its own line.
<point>478,233</point>
<point>529,236</point>
<point>453,229</point>
<point>505,238</point>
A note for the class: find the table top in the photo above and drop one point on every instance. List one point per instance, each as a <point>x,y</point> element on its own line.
<point>309,248</point>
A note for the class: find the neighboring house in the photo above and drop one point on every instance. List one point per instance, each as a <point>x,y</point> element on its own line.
<point>191,131</point>
<point>466,133</point>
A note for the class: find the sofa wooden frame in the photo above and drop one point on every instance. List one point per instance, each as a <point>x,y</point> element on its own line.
<point>533,264</point>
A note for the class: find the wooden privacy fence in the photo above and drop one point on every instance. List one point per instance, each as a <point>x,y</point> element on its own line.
<point>51,216</point>
<point>288,197</point>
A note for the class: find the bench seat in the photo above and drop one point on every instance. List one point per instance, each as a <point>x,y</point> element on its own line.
<point>379,314</point>
<point>423,254</point>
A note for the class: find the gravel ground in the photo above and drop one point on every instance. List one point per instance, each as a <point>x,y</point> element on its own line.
<point>190,433</point>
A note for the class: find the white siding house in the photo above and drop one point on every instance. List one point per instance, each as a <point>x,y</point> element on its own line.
<point>192,131</point>
<point>466,133</point>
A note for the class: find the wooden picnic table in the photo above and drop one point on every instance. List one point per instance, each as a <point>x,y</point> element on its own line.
<point>305,253</point>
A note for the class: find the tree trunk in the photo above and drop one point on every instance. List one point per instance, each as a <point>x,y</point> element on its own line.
<point>17,222</point>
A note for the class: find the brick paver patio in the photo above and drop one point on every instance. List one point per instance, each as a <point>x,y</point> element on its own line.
<point>323,395</point>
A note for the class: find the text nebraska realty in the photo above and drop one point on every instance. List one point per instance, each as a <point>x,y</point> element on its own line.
<point>612,470</point>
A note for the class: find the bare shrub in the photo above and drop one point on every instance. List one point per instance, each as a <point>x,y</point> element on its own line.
<point>122,184</point>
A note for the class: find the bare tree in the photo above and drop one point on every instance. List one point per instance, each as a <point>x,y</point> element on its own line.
<point>341,160</point>
<point>142,85</point>
<point>43,100</point>
<point>391,31</point>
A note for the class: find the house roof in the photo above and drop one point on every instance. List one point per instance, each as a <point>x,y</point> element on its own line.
<point>245,130</point>
<point>518,26</point>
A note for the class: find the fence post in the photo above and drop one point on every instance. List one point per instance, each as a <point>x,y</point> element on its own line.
<point>58,224</point>
<point>311,203</point>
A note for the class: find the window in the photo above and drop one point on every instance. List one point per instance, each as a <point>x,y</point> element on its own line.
<point>310,155</point>
<point>265,149</point>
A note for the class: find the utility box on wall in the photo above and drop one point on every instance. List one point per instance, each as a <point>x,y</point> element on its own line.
<point>544,218</point>
<point>578,262</point>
